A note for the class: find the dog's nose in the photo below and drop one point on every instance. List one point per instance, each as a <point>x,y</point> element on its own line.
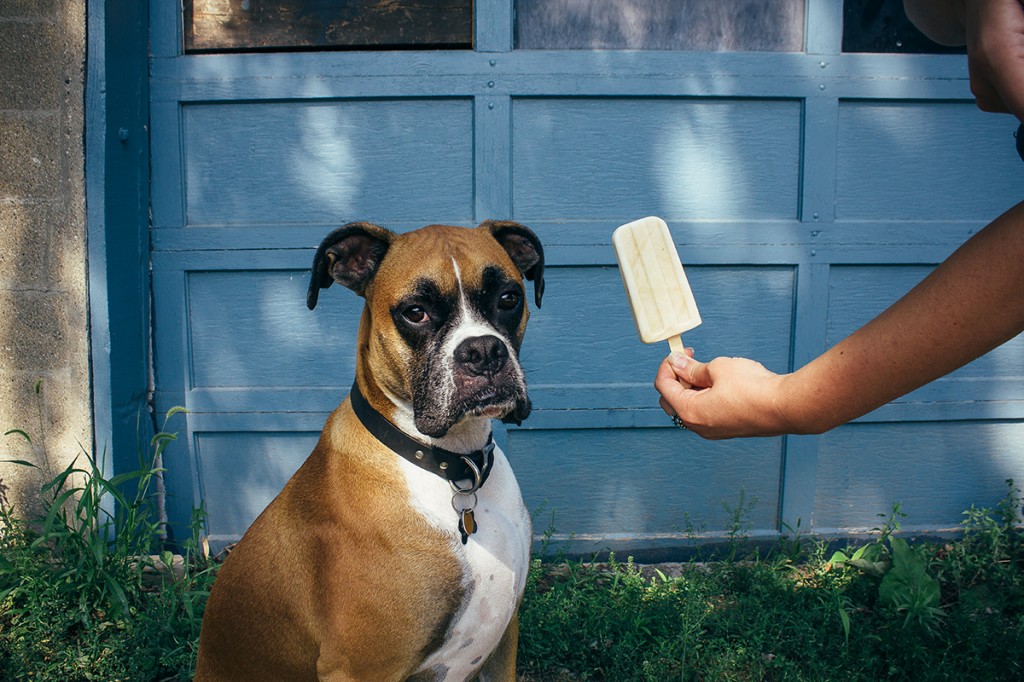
<point>482,355</point>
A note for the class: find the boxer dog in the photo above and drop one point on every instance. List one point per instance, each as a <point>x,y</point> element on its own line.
<point>399,549</point>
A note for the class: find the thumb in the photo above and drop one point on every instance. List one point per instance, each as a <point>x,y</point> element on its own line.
<point>689,370</point>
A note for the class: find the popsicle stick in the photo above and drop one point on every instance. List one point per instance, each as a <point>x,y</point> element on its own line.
<point>676,344</point>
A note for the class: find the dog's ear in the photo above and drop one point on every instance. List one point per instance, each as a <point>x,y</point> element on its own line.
<point>524,248</point>
<point>350,256</point>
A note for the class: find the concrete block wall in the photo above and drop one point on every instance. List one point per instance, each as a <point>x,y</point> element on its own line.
<point>43,295</point>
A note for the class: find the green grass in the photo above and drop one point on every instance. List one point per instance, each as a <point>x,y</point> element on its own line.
<point>81,599</point>
<point>884,610</point>
<point>81,593</point>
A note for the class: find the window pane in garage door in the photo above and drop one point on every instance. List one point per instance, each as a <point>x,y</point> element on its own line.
<point>711,25</point>
<point>250,25</point>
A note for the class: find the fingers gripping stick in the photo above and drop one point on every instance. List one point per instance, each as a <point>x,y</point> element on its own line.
<point>659,295</point>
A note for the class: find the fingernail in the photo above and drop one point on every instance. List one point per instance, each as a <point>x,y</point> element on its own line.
<point>678,361</point>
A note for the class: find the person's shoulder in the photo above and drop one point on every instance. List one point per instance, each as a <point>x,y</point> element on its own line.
<point>940,20</point>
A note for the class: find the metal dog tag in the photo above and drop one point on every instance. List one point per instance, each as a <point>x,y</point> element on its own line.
<point>463,503</point>
<point>467,524</point>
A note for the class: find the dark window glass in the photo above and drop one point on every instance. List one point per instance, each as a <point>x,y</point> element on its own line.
<point>713,25</point>
<point>882,26</point>
<point>244,25</point>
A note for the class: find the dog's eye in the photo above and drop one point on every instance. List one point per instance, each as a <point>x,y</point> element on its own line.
<point>508,300</point>
<point>415,314</point>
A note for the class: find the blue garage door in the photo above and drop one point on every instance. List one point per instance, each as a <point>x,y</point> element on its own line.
<point>806,187</point>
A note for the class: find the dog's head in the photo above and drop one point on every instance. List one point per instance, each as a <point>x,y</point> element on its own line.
<point>445,314</point>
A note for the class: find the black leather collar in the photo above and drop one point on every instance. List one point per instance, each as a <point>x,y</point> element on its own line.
<point>450,466</point>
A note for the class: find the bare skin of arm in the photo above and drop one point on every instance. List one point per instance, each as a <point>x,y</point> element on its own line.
<point>970,304</point>
<point>940,20</point>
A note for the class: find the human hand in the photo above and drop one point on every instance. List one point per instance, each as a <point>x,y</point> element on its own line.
<point>724,398</point>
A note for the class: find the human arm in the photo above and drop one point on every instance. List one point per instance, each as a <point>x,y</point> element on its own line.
<point>968,305</point>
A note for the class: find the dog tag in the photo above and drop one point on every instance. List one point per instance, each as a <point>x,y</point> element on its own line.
<point>467,524</point>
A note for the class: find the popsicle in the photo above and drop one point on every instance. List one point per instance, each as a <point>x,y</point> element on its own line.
<point>659,295</point>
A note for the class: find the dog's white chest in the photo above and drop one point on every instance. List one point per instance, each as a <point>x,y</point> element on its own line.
<point>494,561</point>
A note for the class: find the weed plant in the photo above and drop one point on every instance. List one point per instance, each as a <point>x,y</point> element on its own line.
<point>82,593</point>
<point>885,610</point>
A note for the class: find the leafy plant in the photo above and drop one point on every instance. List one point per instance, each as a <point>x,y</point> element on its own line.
<point>79,598</point>
<point>908,588</point>
<point>905,584</point>
<point>884,610</point>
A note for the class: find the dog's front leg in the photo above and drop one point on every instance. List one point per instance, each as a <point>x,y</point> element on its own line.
<point>501,666</point>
